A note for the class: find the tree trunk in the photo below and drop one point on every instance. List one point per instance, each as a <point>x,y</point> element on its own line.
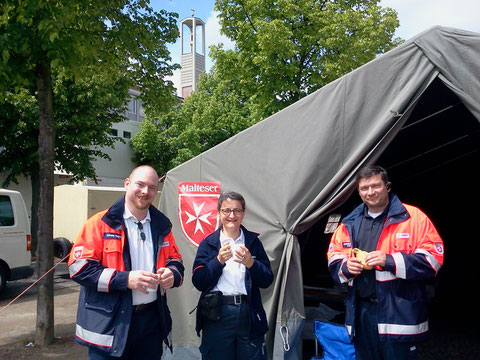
<point>35,185</point>
<point>44,332</point>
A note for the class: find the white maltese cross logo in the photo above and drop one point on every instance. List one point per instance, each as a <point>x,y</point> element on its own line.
<point>198,218</point>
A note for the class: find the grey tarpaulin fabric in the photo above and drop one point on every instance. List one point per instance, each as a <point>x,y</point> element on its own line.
<point>298,164</point>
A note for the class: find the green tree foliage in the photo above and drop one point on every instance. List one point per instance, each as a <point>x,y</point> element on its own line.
<point>212,114</point>
<point>18,134</point>
<point>46,43</point>
<point>151,145</point>
<point>287,49</point>
<point>284,50</point>
<point>109,36</point>
<point>84,111</point>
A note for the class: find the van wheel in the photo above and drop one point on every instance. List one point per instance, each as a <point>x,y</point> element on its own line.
<point>61,247</point>
<point>3,279</point>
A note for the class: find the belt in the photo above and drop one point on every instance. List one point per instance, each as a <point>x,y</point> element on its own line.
<point>234,299</point>
<point>142,307</point>
<point>369,299</point>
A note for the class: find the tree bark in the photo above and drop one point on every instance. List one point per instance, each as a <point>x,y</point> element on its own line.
<point>35,185</point>
<point>44,332</point>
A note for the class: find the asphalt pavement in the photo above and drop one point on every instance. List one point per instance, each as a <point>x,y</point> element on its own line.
<point>448,340</point>
<point>18,320</point>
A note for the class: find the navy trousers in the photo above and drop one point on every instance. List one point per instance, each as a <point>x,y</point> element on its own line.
<point>367,342</point>
<point>227,338</point>
<point>144,338</point>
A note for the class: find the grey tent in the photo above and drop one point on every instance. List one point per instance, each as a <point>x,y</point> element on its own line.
<point>297,166</point>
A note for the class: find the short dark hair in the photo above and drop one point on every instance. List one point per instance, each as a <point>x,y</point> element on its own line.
<point>230,195</point>
<point>371,170</point>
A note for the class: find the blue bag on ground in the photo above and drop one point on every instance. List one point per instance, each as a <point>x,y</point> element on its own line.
<point>335,341</point>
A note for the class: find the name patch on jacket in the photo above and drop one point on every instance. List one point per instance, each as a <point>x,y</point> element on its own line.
<point>166,243</point>
<point>108,235</point>
<point>347,245</point>
<point>403,236</point>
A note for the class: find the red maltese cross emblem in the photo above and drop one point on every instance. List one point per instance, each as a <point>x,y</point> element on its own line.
<point>197,209</point>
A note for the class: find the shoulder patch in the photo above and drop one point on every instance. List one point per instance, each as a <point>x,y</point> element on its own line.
<point>439,248</point>
<point>77,252</point>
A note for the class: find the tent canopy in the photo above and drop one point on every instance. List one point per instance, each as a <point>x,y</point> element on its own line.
<point>296,166</point>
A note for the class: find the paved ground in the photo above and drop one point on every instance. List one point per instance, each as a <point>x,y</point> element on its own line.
<point>450,339</point>
<point>18,321</point>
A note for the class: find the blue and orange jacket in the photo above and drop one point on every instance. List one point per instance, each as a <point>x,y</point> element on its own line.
<point>415,254</point>
<point>100,262</point>
<point>207,271</point>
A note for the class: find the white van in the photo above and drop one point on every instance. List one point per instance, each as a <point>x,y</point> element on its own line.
<point>15,255</point>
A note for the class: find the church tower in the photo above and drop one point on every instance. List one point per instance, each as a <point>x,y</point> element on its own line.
<point>192,40</point>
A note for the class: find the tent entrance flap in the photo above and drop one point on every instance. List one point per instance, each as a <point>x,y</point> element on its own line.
<point>290,310</point>
<point>429,161</point>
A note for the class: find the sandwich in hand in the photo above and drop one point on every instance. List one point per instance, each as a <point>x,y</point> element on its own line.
<point>360,254</point>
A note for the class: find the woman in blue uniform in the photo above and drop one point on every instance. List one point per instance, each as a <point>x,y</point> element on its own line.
<point>232,263</point>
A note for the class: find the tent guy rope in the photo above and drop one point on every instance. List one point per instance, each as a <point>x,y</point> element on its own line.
<point>34,283</point>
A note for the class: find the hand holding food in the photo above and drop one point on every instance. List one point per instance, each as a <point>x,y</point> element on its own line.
<point>360,254</point>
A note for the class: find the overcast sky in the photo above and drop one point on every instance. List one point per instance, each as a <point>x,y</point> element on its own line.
<point>418,15</point>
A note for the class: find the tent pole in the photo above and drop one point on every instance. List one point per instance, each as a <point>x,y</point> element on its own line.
<point>428,152</point>
<point>439,165</point>
<point>431,115</point>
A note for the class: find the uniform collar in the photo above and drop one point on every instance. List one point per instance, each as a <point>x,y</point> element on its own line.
<point>224,238</point>
<point>127,215</point>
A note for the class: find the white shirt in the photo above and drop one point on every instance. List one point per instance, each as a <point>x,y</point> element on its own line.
<point>141,252</point>
<point>375,214</point>
<point>232,280</point>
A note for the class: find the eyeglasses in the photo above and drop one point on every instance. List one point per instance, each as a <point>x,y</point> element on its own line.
<point>142,234</point>
<point>227,211</point>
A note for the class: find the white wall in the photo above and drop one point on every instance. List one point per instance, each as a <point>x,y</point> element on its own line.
<point>112,173</point>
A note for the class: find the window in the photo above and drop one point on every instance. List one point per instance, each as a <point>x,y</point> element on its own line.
<point>114,132</point>
<point>132,106</point>
<point>6,211</point>
<point>127,134</point>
